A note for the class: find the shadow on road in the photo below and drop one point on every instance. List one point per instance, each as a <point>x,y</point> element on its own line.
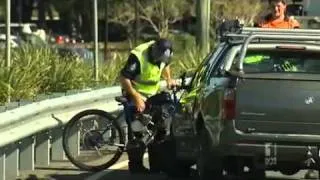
<point>125,175</point>
<point>58,168</point>
<point>80,176</point>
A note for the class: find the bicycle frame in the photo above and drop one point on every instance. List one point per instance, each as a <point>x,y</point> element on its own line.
<point>114,129</point>
<point>176,103</point>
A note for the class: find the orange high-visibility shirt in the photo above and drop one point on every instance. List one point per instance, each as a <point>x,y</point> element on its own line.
<point>286,24</point>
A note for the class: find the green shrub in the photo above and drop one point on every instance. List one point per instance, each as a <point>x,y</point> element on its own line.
<point>186,57</point>
<point>27,71</point>
<point>182,41</point>
<point>109,72</point>
<point>36,71</point>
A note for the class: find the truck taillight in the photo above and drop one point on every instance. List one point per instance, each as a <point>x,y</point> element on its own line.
<point>229,104</point>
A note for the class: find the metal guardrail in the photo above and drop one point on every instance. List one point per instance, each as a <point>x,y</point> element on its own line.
<point>32,137</point>
<point>40,97</point>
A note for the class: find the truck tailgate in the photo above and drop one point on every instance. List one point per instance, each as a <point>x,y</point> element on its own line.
<point>278,106</point>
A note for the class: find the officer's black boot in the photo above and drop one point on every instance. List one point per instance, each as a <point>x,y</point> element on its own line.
<point>157,154</point>
<point>154,158</point>
<point>135,152</point>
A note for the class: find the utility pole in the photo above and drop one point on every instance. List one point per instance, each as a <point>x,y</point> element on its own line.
<point>96,45</point>
<point>106,29</point>
<point>8,46</point>
<point>203,24</point>
<point>136,24</point>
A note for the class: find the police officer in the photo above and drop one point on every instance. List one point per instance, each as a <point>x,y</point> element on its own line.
<point>140,78</point>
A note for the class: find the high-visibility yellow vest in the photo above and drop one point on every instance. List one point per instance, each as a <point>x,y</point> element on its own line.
<point>148,81</point>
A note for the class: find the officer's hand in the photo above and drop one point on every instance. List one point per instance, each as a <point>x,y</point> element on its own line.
<point>171,83</point>
<point>139,102</point>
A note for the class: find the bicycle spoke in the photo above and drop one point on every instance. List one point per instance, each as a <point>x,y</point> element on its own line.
<point>100,140</point>
<point>98,151</point>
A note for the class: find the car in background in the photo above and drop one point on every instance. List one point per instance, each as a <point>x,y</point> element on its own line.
<point>81,54</point>
<point>17,28</point>
<point>15,41</point>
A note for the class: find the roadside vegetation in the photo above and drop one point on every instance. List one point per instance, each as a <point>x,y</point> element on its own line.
<point>36,71</point>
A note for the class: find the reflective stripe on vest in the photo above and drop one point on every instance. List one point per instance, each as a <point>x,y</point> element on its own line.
<point>148,82</point>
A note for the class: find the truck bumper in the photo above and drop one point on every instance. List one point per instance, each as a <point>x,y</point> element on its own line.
<point>272,155</point>
<point>271,150</point>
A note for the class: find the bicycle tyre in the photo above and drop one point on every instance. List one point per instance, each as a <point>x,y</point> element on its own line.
<point>73,121</point>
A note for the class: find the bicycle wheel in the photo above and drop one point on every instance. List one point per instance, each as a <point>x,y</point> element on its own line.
<point>93,140</point>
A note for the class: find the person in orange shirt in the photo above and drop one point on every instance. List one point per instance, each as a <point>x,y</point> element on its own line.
<point>278,18</point>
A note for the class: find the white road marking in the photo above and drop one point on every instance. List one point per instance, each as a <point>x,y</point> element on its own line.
<point>119,165</point>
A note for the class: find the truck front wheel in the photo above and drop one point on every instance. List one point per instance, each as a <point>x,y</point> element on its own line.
<point>208,166</point>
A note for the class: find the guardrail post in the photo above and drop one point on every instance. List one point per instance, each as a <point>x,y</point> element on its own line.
<point>2,164</point>
<point>57,153</point>
<point>27,154</point>
<point>42,149</point>
<point>75,139</point>
<point>11,162</point>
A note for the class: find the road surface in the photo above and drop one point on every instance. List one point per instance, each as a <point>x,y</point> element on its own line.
<point>65,171</point>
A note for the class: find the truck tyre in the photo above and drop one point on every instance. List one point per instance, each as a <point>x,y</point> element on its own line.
<point>258,174</point>
<point>170,164</point>
<point>179,169</point>
<point>208,166</point>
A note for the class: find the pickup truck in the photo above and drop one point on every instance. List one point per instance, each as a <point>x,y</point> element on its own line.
<point>253,105</point>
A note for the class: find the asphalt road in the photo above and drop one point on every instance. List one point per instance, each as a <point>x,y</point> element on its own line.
<point>65,171</point>
<point>123,174</point>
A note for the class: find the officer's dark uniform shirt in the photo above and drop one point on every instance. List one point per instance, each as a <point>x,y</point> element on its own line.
<point>132,67</point>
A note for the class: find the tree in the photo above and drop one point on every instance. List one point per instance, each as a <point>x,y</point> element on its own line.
<point>155,16</point>
<point>75,13</point>
<point>21,10</point>
<point>161,13</point>
<point>203,23</point>
<point>2,9</point>
<point>122,12</point>
<point>244,10</point>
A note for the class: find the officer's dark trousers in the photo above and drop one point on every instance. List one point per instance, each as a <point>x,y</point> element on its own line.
<point>158,151</point>
<point>135,148</point>
<point>135,152</point>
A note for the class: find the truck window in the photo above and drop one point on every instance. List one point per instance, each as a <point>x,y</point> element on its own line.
<point>271,61</point>
<point>206,65</point>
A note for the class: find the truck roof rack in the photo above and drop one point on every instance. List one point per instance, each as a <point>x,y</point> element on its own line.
<point>248,30</point>
<point>232,31</point>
